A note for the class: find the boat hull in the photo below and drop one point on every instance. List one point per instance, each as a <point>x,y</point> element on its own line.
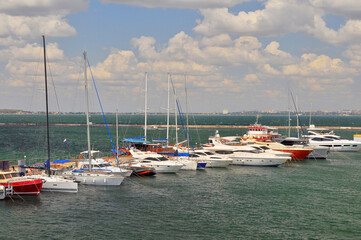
<point>259,162</point>
<point>100,181</point>
<point>298,154</point>
<point>58,184</point>
<point>218,163</point>
<point>319,153</point>
<point>26,187</point>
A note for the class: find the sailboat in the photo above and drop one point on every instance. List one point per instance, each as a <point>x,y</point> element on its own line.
<point>90,177</point>
<point>53,183</point>
<point>160,163</point>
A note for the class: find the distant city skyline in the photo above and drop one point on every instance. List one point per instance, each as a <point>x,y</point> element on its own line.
<point>237,55</point>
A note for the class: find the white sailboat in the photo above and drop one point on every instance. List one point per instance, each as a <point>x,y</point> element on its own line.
<point>52,183</point>
<point>91,177</point>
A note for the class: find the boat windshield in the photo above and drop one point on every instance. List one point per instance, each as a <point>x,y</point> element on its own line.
<point>202,154</point>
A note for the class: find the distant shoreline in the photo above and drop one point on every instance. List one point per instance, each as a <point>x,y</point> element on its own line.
<point>157,126</point>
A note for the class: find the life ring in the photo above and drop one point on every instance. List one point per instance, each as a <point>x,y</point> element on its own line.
<point>80,156</point>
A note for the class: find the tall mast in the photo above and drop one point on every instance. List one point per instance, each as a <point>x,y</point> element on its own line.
<point>176,117</point>
<point>47,109</point>
<point>87,110</point>
<point>289,110</point>
<point>168,113</point>
<point>185,90</point>
<point>146,106</point>
<point>116,120</point>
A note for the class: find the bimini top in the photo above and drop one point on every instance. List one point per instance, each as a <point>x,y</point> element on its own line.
<point>135,140</point>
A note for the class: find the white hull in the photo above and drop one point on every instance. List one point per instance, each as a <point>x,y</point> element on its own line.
<point>339,147</point>
<point>160,166</point>
<point>188,164</point>
<point>319,153</point>
<point>218,163</point>
<point>96,179</point>
<point>261,162</point>
<point>167,168</point>
<point>56,184</point>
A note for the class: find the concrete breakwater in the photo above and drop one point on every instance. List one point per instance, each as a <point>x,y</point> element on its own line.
<point>164,126</point>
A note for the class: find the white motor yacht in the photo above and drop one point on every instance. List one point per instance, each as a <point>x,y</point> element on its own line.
<point>213,159</point>
<point>160,163</point>
<point>325,138</point>
<point>318,152</point>
<point>245,155</point>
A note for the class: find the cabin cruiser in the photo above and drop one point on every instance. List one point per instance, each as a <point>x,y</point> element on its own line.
<point>20,185</point>
<point>325,138</point>
<point>160,163</point>
<point>213,159</point>
<point>245,155</point>
<point>318,152</point>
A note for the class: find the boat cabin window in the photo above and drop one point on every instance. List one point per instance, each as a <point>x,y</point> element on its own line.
<point>193,155</point>
<point>8,175</point>
<point>105,165</point>
<point>2,176</point>
<point>317,139</point>
<point>163,159</point>
<point>209,153</point>
<point>264,147</point>
<point>15,174</point>
<point>151,158</point>
<point>224,152</point>
<point>332,138</point>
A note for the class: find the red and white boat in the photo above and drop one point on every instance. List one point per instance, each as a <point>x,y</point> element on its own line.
<point>20,185</point>
<point>262,133</point>
<point>268,136</point>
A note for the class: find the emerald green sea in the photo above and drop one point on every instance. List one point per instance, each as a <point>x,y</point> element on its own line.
<point>311,199</point>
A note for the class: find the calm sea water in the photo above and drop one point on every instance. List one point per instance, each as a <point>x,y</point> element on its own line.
<point>304,200</point>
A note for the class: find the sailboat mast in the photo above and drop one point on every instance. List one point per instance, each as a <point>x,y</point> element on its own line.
<point>168,112</point>
<point>146,106</point>
<point>116,120</point>
<point>289,110</point>
<point>47,109</point>
<point>87,109</point>
<point>176,117</point>
<point>185,90</point>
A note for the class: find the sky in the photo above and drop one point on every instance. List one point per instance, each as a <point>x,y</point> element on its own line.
<point>239,55</point>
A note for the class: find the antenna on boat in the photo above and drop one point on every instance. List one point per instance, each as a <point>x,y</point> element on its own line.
<point>145,104</point>
<point>47,109</point>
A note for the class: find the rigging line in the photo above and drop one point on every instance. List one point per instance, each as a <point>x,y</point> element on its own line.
<point>179,108</point>
<point>101,107</point>
<point>297,113</point>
